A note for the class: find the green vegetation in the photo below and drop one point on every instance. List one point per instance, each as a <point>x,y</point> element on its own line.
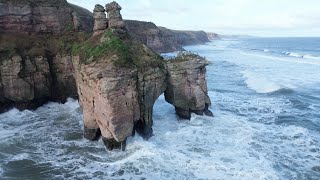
<point>185,56</point>
<point>69,27</point>
<point>38,44</point>
<point>112,45</point>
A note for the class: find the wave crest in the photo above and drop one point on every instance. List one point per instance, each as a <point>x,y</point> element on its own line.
<point>261,84</point>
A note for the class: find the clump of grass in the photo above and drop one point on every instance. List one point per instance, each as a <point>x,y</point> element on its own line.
<point>112,45</point>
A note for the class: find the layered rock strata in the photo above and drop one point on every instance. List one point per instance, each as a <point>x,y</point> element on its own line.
<point>100,19</point>
<point>187,87</point>
<point>28,82</point>
<point>161,39</point>
<point>115,19</point>
<point>33,16</point>
<point>36,38</point>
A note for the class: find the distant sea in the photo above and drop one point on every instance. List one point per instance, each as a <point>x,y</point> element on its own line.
<point>265,95</point>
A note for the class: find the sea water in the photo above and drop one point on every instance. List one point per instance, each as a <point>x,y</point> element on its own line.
<point>265,95</point>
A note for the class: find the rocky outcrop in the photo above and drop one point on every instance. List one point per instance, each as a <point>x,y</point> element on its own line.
<point>100,19</point>
<point>45,16</point>
<point>119,79</point>
<point>187,88</point>
<point>213,36</point>
<point>114,16</point>
<point>161,39</point>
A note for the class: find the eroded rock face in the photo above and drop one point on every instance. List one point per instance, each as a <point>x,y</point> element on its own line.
<point>151,84</point>
<point>109,98</point>
<point>35,16</point>
<point>114,16</point>
<point>187,87</point>
<point>161,39</point>
<point>100,19</point>
<point>27,82</point>
<point>118,98</point>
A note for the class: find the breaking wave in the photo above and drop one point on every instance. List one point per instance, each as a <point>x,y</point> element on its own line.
<point>261,84</point>
<point>305,56</point>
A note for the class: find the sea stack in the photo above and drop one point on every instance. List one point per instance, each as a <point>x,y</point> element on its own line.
<point>115,19</point>
<point>187,86</point>
<point>119,79</point>
<point>100,19</point>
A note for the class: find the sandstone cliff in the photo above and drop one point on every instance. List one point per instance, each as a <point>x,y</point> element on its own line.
<point>47,16</point>
<point>36,38</point>
<point>161,39</point>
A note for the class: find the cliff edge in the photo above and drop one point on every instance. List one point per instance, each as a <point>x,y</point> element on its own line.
<point>161,39</point>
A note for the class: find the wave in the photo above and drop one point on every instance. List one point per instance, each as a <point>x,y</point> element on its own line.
<point>266,50</point>
<point>305,56</point>
<point>280,59</point>
<point>288,53</point>
<point>261,84</point>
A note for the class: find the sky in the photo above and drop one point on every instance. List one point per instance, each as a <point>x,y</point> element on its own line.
<point>268,18</point>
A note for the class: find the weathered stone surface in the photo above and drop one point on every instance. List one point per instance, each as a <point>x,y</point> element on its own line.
<point>109,98</point>
<point>42,16</point>
<point>151,83</point>
<point>98,8</point>
<point>100,20</point>
<point>25,79</point>
<point>62,71</point>
<point>187,88</point>
<point>27,82</point>
<point>114,16</point>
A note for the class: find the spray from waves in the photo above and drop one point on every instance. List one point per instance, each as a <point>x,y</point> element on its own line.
<point>260,84</point>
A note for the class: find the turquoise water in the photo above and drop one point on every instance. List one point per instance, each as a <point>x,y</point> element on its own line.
<point>266,101</point>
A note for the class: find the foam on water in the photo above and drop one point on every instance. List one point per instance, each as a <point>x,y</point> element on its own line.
<point>260,84</point>
<point>282,59</point>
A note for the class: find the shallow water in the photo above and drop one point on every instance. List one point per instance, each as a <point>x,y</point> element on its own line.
<point>266,126</point>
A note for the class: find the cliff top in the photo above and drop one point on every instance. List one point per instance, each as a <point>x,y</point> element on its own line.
<point>123,52</point>
<point>37,2</point>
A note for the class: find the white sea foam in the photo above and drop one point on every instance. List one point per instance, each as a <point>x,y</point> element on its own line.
<point>260,84</point>
<point>266,50</point>
<point>281,59</point>
<point>298,55</point>
<point>21,156</point>
<point>307,56</point>
<point>295,55</point>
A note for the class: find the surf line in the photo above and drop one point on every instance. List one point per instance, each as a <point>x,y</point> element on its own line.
<point>280,59</point>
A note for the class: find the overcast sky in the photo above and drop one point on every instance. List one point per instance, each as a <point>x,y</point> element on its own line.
<point>251,17</point>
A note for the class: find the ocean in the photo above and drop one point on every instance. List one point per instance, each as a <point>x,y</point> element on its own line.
<point>265,96</point>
